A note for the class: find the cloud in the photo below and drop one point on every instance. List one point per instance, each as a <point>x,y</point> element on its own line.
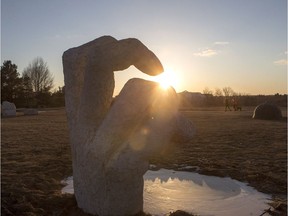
<point>215,49</point>
<point>281,62</point>
<point>221,43</point>
<point>206,53</point>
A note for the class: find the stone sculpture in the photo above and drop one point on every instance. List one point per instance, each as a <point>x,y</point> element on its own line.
<point>8,109</point>
<point>111,145</point>
<point>267,111</point>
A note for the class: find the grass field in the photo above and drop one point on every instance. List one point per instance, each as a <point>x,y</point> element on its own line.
<point>35,157</point>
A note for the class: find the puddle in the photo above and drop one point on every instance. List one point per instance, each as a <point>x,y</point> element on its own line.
<point>167,191</point>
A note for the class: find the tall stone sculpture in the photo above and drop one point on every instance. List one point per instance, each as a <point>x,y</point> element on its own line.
<point>111,144</point>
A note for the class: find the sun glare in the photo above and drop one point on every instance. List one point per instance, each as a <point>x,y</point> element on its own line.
<point>166,79</point>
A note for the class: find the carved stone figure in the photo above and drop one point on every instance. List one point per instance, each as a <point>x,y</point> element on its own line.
<point>8,109</point>
<point>111,144</point>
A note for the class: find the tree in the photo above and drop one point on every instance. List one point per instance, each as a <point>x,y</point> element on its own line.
<point>228,91</point>
<point>40,76</point>
<point>58,97</point>
<point>27,95</point>
<point>218,92</point>
<point>10,82</point>
<point>207,91</point>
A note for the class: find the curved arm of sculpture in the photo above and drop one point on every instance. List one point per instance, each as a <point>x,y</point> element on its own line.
<point>131,51</point>
<point>92,79</point>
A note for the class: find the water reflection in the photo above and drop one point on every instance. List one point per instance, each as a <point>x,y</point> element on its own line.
<point>167,191</point>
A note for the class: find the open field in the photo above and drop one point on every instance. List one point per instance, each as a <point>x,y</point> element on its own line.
<point>35,157</point>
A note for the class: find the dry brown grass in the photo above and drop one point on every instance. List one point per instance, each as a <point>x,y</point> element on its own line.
<point>35,157</point>
<point>232,144</point>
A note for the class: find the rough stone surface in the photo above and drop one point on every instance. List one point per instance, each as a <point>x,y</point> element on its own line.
<point>111,144</point>
<point>8,109</point>
<point>267,111</point>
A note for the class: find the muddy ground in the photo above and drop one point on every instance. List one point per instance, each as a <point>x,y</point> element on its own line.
<point>35,157</point>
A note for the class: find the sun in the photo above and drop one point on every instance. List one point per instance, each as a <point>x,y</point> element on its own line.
<point>166,79</point>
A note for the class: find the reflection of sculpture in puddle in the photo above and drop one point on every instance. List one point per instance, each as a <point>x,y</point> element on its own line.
<point>213,183</point>
<point>111,146</point>
<point>168,191</point>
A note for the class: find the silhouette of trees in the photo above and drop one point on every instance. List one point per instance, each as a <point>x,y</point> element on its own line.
<point>217,97</point>
<point>40,77</point>
<point>41,80</point>
<point>33,89</point>
<point>25,94</point>
<point>58,97</point>
<point>228,91</point>
<point>10,81</point>
<point>207,91</point>
<point>218,92</point>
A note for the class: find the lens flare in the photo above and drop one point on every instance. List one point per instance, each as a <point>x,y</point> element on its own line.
<point>166,79</point>
<point>138,141</point>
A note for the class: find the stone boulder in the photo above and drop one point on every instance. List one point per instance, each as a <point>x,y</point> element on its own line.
<point>8,109</point>
<point>267,111</point>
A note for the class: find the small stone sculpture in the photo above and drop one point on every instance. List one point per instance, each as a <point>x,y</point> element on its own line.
<point>8,109</point>
<point>267,111</point>
<point>111,144</point>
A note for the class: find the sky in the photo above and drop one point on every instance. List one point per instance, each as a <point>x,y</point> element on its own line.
<point>240,44</point>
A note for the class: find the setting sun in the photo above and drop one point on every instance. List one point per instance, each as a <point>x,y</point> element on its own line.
<point>166,79</point>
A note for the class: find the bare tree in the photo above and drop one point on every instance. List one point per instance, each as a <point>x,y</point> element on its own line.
<point>40,76</point>
<point>207,91</point>
<point>228,91</point>
<point>218,92</point>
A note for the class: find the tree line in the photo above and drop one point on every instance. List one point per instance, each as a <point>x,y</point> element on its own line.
<point>33,88</point>
<point>219,96</point>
